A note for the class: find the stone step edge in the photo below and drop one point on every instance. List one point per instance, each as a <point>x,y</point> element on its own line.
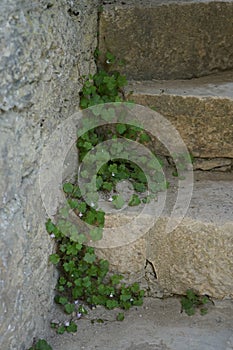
<point>119,4</point>
<point>197,108</point>
<point>218,85</point>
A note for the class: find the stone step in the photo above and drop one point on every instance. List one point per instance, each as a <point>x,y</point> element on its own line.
<point>197,253</point>
<point>157,325</point>
<point>201,109</point>
<point>168,40</point>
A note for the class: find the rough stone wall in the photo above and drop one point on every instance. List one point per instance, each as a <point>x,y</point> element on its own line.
<point>45,45</point>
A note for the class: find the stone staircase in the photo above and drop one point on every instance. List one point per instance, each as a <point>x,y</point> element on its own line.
<point>178,57</point>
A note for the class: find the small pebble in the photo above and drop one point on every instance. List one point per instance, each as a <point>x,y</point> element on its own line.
<point>55,321</point>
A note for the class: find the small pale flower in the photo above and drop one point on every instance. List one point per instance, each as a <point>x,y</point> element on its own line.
<point>80,215</point>
<point>110,199</point>
<point>108,62</point>
<point>76,302</point>
<point>111,295</point>
<point>131,299</point>
<point>79,315</point>
<point>113,174</point>
<point>67,323</point>
<point>92,204</point>
<point>52,235</point>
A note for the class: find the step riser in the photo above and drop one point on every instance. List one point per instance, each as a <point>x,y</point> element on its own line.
<point>169,41</point>
<point>195,255</point>
<point>205,124</point>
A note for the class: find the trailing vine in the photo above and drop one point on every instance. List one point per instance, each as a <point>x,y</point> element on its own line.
<point>83,278</point>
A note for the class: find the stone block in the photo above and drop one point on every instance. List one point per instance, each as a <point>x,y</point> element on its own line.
<point>197,254</point>
<point>201,110</point>
<point>168,39</point>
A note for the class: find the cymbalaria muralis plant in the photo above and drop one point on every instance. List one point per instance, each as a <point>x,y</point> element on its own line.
<point>83,278</point>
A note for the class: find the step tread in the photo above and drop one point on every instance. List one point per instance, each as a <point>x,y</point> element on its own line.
<point>218,85</point>
<point>157,325</point>
<point>212,199</point>
<point>153,3</point>
<point>200,109</point>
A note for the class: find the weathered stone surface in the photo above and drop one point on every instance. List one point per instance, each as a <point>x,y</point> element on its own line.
<point>215,164</point>
<point>197,254</point>
<point>168,40</point>
<point>45,47</point>
<point>157,325</point>
<point>130,262</point>
<point>200,109</point>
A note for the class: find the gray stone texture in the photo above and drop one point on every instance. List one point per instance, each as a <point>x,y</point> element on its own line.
<point>201,109</point>
<point>164,39</point>
<point>214,164</point>
<point>45,47</point>
<point>157,325</point>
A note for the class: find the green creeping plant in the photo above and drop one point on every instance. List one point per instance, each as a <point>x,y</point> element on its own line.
<point>84,279</point>
<point>41,344</point>
<point>192,302</point>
